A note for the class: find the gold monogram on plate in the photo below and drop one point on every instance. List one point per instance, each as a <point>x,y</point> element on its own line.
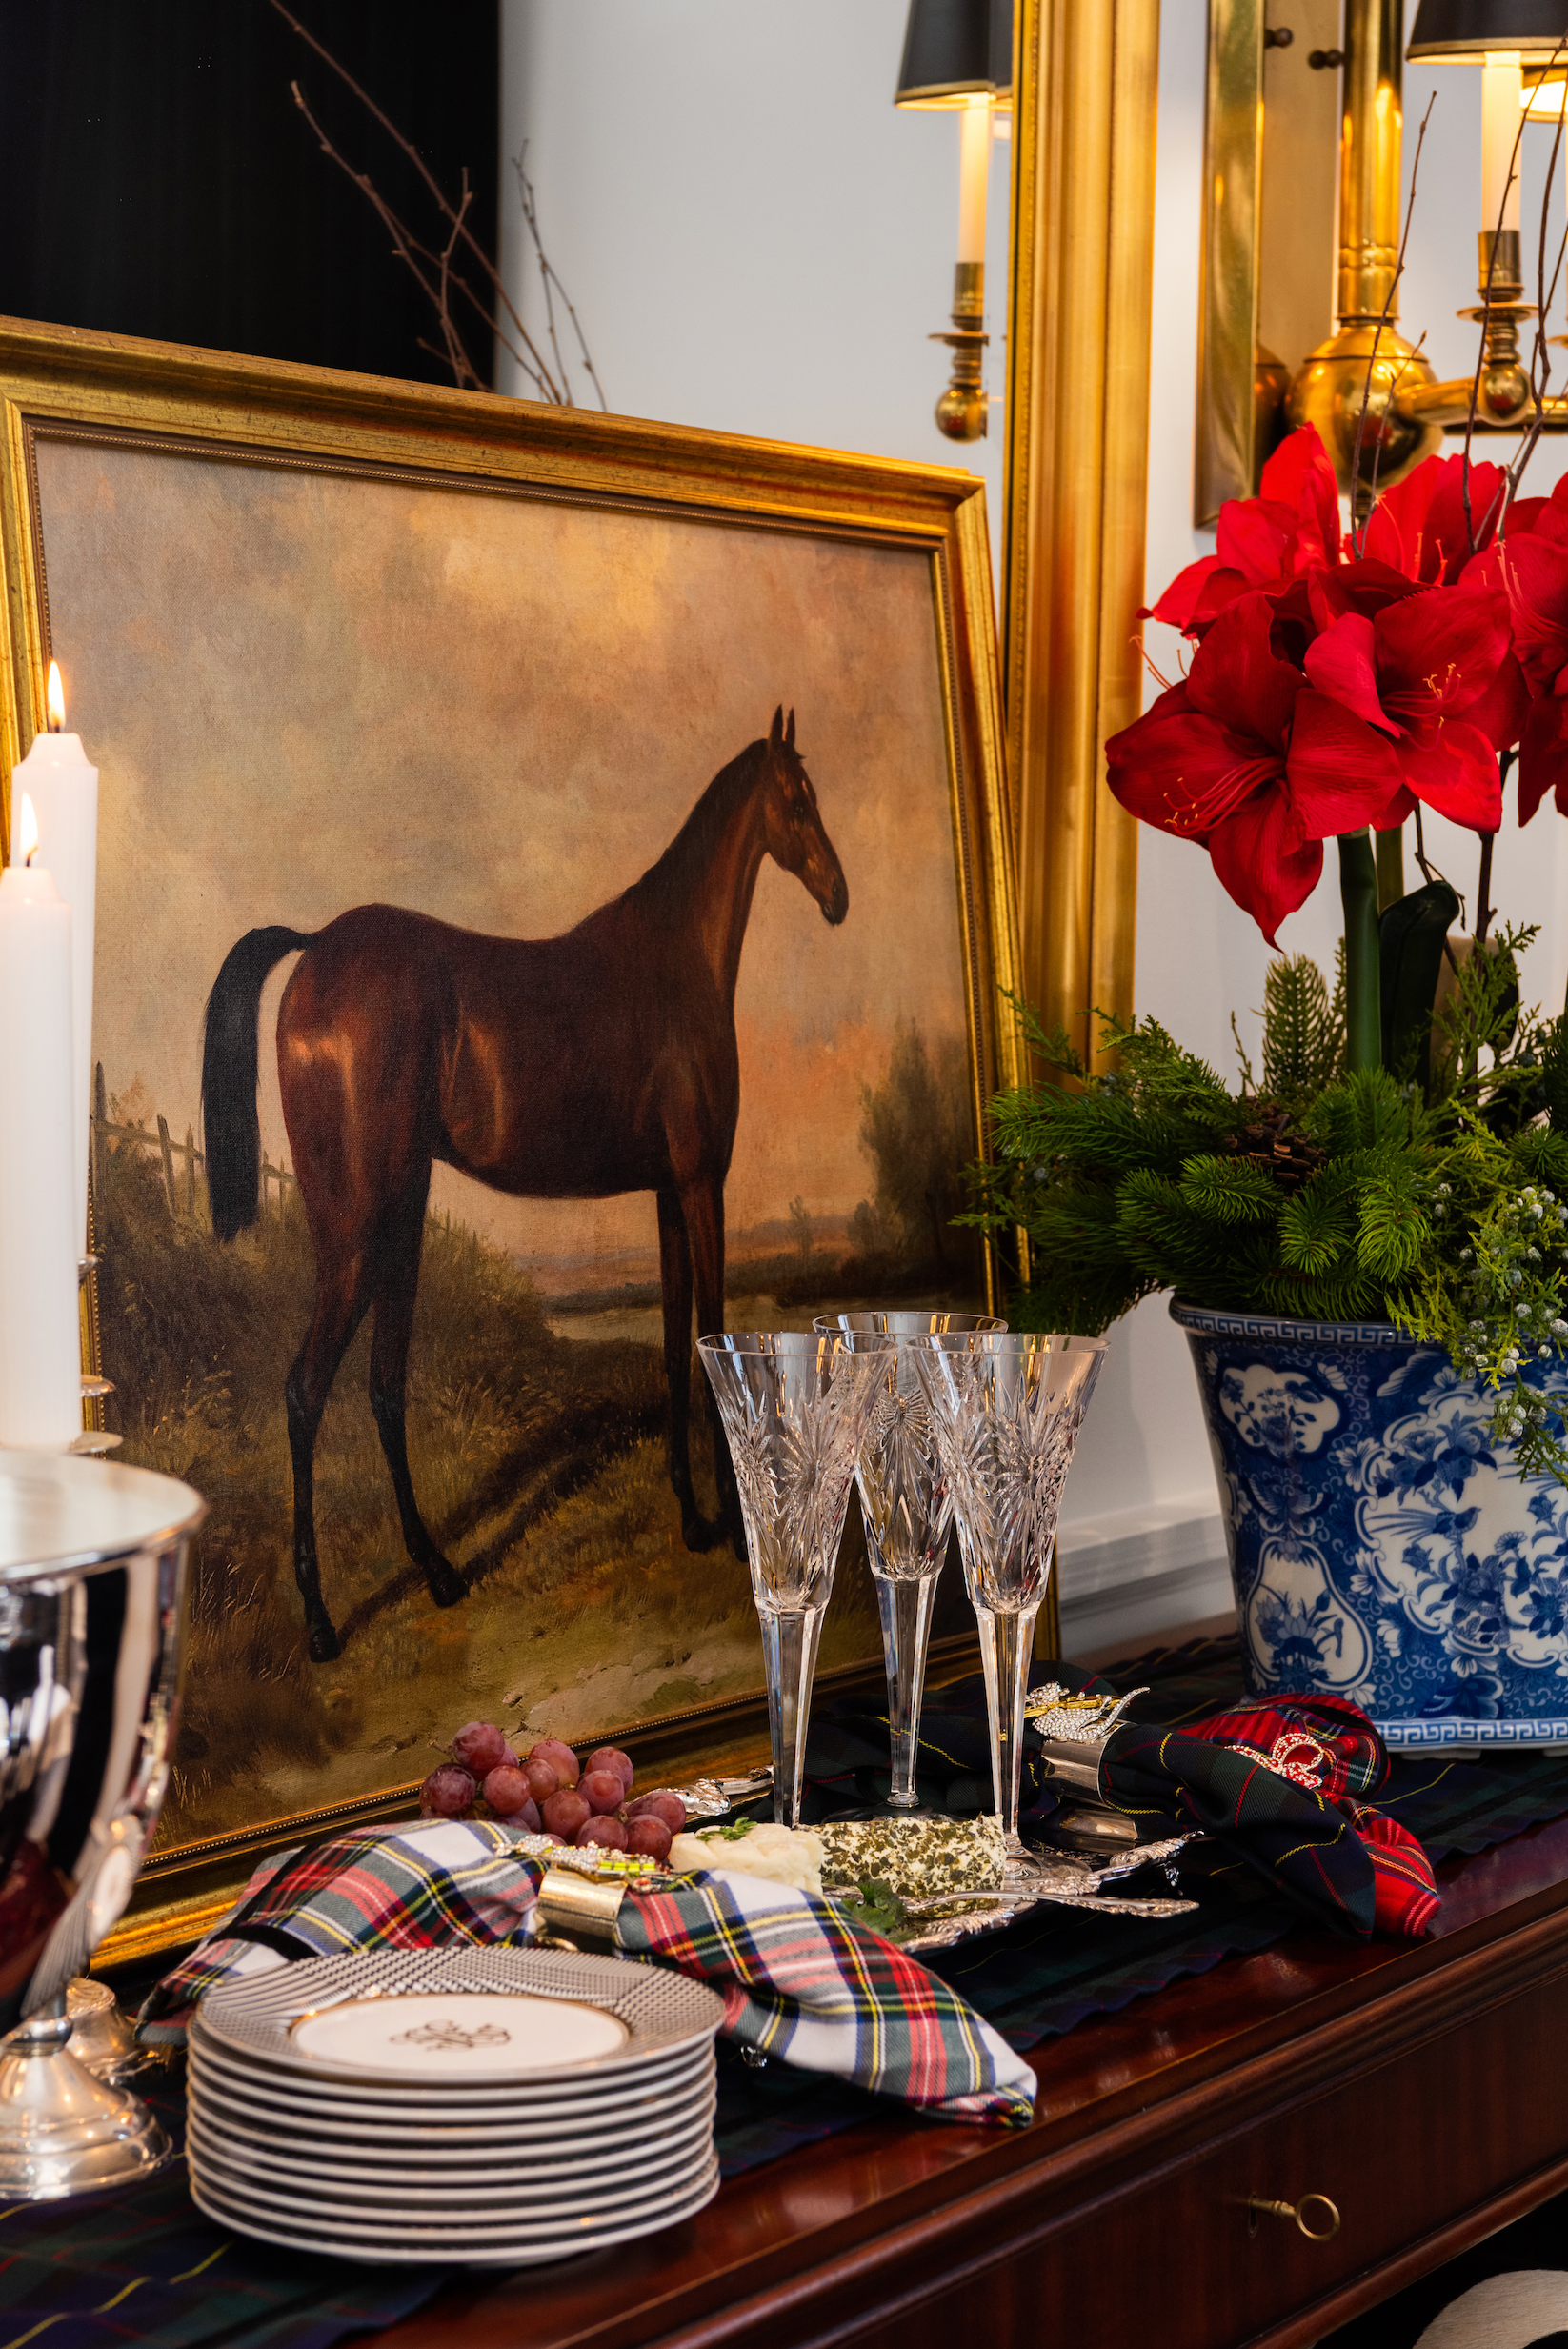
<point>452,2035</point>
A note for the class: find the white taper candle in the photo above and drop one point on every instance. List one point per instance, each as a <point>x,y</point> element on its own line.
<point>40,1329</point>
<point>63,785</point>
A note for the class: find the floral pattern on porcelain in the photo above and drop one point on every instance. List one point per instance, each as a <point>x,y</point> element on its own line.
<point>1382,1548</point>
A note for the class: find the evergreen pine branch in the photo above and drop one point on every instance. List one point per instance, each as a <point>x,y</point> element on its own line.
<point>1229,1190</point>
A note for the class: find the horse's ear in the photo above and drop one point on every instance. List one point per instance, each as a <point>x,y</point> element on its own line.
<point>788,733</point>
<point>776,731</point>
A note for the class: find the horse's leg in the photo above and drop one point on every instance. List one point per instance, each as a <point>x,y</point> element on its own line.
<point>342,1293</point>
<point>675,1289</point>
<point>702,1212</point>
<point>402,1239</point>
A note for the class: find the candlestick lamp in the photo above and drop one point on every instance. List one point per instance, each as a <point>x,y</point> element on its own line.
<point>959,57</point>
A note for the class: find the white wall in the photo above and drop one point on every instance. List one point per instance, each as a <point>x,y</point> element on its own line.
<point>756,239</point>
<point>758,242</point>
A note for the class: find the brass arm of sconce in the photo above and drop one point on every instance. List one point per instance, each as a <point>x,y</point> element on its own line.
<point>1503,399</point>
<point>963,411</point>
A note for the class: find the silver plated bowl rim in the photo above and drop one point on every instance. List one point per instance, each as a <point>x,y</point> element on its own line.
<point>62,1515</point>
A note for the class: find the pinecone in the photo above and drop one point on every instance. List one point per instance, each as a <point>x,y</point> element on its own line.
<point>1271,1142</point>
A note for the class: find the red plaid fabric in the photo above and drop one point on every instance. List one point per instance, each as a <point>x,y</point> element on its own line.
<point>1283,1783</point>
<point>801,1982</point>
<point>798,1980</point>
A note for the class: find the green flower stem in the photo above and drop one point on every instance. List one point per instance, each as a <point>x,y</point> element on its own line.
<point>1391,867</point>
<point>1359,894</point>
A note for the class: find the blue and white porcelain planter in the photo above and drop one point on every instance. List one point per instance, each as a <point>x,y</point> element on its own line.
<point>1382,1549</point>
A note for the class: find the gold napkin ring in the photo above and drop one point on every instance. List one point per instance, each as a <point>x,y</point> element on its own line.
<point>581,1904</point>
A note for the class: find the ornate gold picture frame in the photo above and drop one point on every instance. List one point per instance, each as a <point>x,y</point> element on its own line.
<point>247,572</point>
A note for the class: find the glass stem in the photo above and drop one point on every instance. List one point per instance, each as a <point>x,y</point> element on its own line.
<point>1007,1646</point>
<point>789,1658</point>
<point>906,1610</point>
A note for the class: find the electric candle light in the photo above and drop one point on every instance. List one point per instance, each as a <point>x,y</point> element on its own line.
<point>40,1340</point>
<point>1500,101</point>
<point>63,786</point>
<point>973,172</point>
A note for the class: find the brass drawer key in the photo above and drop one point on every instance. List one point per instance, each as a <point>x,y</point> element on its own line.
<point>1259,2204</point>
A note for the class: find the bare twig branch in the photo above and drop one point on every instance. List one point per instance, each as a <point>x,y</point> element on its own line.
<point>404,244</point>
<point>436,274</point>
<point>552,282</point>
<point>1357,528</point>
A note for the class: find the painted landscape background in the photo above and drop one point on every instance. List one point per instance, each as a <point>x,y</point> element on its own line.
<point>307,694</point>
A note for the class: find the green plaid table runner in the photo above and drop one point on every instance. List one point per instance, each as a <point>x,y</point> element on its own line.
<point>143,2265</point>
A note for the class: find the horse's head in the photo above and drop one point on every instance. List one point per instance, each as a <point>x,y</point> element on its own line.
<point>794,826</point>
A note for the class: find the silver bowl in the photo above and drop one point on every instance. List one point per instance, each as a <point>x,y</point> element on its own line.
<point>92,1561</point>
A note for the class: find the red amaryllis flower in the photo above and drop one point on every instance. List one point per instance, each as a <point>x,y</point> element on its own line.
<point>1247,758</point>
<point>1420,527</point>
<point>1292,527</point>
<point>1543,517</point>
<point>1432,672</point>
<point>1533,566</point>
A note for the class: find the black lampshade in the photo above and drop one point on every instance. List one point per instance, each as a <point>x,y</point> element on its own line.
<point>1463,32</point>
<point>955,49</point>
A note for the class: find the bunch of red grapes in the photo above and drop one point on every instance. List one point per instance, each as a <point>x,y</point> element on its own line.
<point>547,1792</point>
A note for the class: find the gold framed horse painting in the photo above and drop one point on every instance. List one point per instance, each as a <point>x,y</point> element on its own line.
<point>554,898</point>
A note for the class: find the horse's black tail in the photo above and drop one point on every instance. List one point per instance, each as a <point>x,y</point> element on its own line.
<point>229,1072</point>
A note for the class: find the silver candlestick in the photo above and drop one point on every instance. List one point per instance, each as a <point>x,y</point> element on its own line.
<point>93,1560</point>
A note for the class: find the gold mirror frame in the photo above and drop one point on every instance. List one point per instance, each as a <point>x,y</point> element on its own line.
<point>1086,84</point>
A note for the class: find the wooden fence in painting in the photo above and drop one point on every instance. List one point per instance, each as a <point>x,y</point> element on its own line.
<point>179,1179</point>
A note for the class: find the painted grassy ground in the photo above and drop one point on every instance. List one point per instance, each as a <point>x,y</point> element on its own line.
<point>540,1463</point>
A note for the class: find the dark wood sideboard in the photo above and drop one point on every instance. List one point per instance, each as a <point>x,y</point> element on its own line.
<point>1424,2090</point>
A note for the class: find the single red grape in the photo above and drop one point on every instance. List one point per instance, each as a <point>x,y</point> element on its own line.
<point>529,1817</point>
<point>480,1748</point>
<point>649,1835</point>
<point>563,1813</point>
<point>542,1779</point>
<point>602,1790</point>
<point>447,1793</point>
<point>560,1757</point>
<point>660,1804</point>
<point>606,1831</point>
<point>506,1791</point>
<point>610,1758</point>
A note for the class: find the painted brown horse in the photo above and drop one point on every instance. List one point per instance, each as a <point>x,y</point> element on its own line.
<point>578,1067</point>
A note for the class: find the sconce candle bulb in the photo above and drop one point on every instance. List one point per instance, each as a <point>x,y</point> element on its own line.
<point>1501,83</point>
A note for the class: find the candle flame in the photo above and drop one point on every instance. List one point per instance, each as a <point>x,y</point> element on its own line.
<point>27,831</point>
<point>56,699</point>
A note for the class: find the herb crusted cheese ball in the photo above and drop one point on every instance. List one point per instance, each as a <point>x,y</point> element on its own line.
<point>916,1858</point>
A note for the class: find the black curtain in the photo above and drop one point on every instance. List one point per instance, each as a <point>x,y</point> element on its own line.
<point>156,177</point>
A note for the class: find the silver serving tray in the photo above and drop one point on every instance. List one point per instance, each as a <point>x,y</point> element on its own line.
<point>1062,1879</point>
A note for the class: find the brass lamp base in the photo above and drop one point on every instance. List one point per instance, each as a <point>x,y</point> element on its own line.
<point>963,412</point>
<point>62,2129</point>
<point>1332,390</point>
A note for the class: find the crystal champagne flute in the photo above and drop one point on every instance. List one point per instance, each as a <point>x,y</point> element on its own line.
<point>907,1503</point>
<point>1007,1407</point>
<point>794,1407</point>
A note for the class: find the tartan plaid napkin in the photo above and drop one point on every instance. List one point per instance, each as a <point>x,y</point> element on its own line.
<point>1281,1785</point>
<point>798,1980</point>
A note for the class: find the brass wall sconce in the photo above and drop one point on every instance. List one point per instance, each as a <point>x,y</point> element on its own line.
<point>959,57</point>
<point>1310,111</point>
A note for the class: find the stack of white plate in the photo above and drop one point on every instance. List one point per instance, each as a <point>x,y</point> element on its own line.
<point>496,2107</point>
